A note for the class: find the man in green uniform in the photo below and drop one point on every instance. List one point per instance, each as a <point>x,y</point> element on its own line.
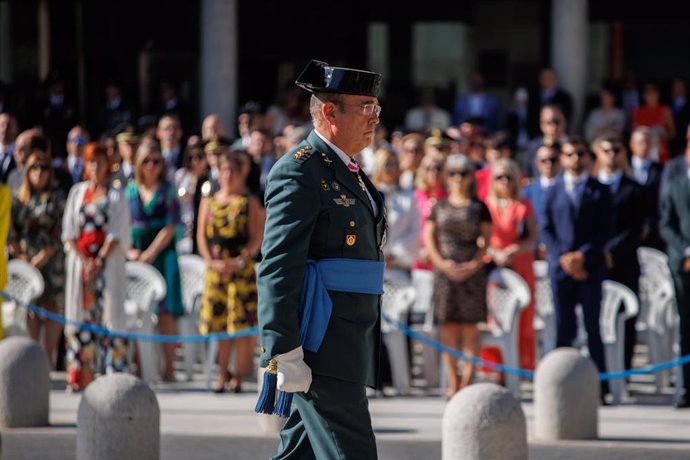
<point>321,275</point>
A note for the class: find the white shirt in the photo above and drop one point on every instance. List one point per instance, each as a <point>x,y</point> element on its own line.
<point>612,180</point>
<point>641,169</point>
<point>346,159</point>
<point>571,182</point>
<point>545,182</point>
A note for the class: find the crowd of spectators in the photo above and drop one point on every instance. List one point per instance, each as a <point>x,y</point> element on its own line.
<point>467,187</point>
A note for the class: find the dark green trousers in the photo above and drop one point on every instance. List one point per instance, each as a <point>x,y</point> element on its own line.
<point>330,422</point>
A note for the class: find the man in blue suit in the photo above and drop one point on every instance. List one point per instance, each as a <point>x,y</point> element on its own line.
<point>547,164</point>
<point>575,227</point>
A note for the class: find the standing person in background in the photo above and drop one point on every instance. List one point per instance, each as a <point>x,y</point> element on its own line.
<point>512,243</point>
<point>452,237</point>
<point>325,224</point>
<point>680,108</point>
<point>612,169</point>
<point>547,164</point>
<point>95,230</point>
<point>410,154</point>
<point>607,118</point>
<point>658,118</point>
<point>127,143</point>
<point>675,230</point>
<point>402,247</point>
<point>169,134</point>
<point>229,239</point>
<point>186,180</point>
<point>37,212</point>
<point>548,93</point>
<point>575,229</point>
<point>429,190</point>
<point>647,173</point>
<point>478,104</point>
<point>212,128</point>
<point>154,211</point>
<point>77,138</point>
<point>5,214</point>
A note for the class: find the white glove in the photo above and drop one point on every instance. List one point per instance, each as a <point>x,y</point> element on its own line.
<point>293,373</point>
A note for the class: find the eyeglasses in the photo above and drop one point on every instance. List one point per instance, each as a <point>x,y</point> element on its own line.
<point>614,150</point>
<point>463,173</point>
<point>41,166</point>
<point>153,161</point>
<point>367,109</point>
<point>553,121</point>
<point>550,160</point>
<point>503,177</point>
<point>435,169</point>
<point>579,153</point>
<point>391,165</point>
<point>196,156</point>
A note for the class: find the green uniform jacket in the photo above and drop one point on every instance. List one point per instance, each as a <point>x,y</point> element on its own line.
<point>316,209</point>
<point>674,224</point>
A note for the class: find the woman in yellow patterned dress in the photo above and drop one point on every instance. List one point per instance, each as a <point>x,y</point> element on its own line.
<point>229,236</point>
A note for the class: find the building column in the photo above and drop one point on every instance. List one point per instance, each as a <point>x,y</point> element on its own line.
<point>6,41</point>
<point>43,39</point>
<point>569,42</point>
<point>219,61</point>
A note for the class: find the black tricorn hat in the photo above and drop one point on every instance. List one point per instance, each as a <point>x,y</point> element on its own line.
<point>319,77</point>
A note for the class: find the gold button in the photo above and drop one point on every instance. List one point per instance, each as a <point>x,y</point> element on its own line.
<point>352,223</point>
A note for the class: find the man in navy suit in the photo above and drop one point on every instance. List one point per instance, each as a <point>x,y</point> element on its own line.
<point>546,163</point>
<point>575,229</point>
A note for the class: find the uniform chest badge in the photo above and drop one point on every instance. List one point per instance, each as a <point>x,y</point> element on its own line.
<point>325,186</point>
<point>336,186</point>
<point>324,157</point>
<point>350,240</point>
<point>344,201</point>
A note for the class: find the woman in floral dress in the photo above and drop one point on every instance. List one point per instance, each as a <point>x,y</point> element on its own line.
<point>35,238</point>
<point>229,238</point>
<point>95,229</point>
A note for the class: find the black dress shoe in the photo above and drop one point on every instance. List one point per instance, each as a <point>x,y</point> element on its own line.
<point>683,403</point>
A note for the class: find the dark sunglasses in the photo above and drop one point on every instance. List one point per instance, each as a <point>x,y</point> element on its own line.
<point>503,177</point>
<point>614,150</point>
<point>196,156</point>
<point>391,165</point>
<point>41,166</point>
<point>580,153</point>
<point>153,161</point>
<point>551,160</point>
<point>434,168</point>
<point>460,173</point>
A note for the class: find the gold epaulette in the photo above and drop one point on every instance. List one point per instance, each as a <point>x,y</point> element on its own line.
<point>303,153</point>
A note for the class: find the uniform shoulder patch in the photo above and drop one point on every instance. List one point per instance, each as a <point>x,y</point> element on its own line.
<point>303,153</point>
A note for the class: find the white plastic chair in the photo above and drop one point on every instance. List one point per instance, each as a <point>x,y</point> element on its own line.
<point>507,294</point>
<point>24,282</point>
<point>658,319</point>
<point>192,273</point>
<point>423,285</point>
<point>396,302</point>
<point>145,287</point>
<point>545,319</point>
<point>612,326</point>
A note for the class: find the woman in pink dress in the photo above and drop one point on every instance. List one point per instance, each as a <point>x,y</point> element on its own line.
<point>512,242</point>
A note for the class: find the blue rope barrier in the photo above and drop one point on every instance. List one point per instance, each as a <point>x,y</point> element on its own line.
<point>42,312</point>
<point>253,331</point>
<point>527,373</point>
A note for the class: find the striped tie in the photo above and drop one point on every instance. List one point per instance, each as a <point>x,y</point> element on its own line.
<point>353,166</point>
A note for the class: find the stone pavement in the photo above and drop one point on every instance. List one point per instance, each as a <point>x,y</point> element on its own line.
<point>197,424</point>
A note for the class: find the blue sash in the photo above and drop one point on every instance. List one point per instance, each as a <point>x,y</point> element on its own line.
<point>343,275</point>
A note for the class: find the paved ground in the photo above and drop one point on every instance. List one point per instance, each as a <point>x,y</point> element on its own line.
<point>196,424</point>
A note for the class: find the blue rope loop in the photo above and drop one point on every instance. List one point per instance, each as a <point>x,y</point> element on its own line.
<point>99,330</point>
<point>253,331</point>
